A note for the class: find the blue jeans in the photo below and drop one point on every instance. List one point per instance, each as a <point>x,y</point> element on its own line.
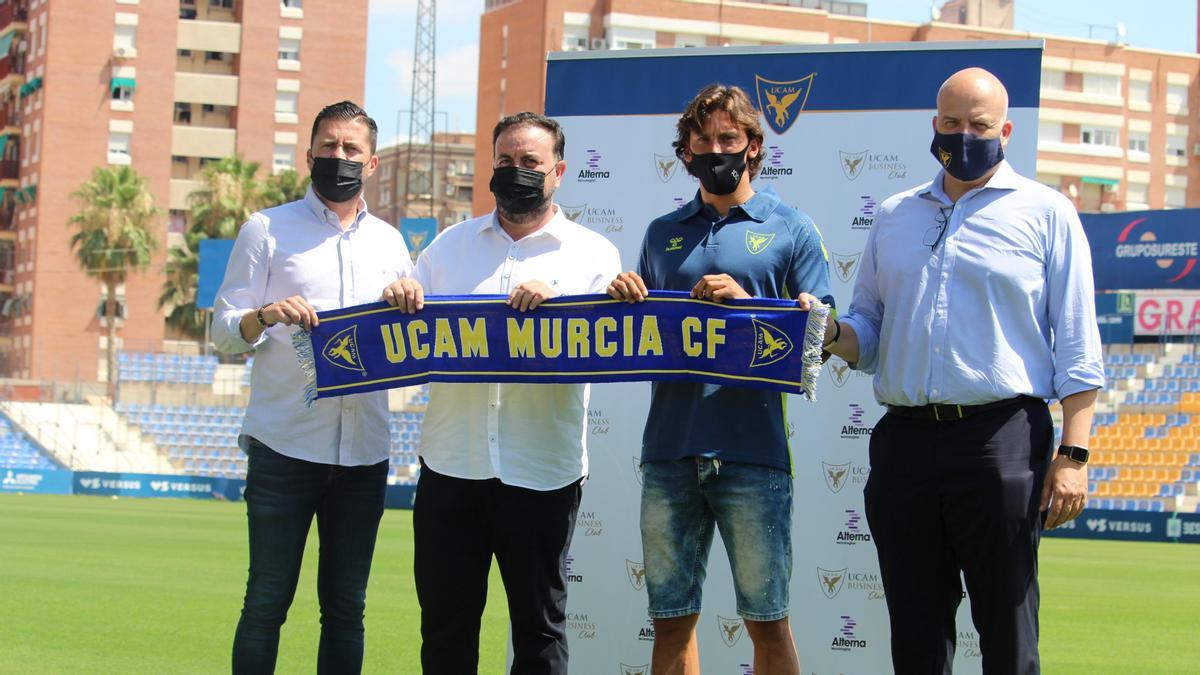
<point>751,505</point>
<point>282,496</point>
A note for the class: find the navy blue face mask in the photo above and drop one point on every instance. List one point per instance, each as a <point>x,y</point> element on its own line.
<point>964,156</point>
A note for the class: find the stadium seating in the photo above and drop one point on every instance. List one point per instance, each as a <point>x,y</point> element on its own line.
<point>174,368</point>
<point>1146,448</point>
<point>202,440</point>
<point>17,451</point>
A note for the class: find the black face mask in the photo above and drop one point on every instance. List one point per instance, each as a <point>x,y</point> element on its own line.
<point>338,180</point>
<point>964,156</point>
<point>719,172</point>
<point>519,190</point>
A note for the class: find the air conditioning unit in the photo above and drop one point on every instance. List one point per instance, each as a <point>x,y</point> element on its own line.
<point>120,52</point>
<point>599,43</point>
<point>1196,149</point>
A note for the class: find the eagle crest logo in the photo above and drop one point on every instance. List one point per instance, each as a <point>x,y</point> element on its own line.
<point>416,240</point>
<point>781,102</point>
<point>852,163</point>
<point>770,344</point>
<point>637,574</point>
<point>835,475</point>
<point>757,243</point>
<point>731,630</point>
<point>665,167</point>
<point>839,371</point>
<point>635,670</point>
<point>944,157</point>
<point>342,350</point>
<point>846,266</point>
<point>831,581</point>
<point>573,213</point>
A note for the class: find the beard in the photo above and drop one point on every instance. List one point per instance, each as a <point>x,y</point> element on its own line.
<point>526,217</point>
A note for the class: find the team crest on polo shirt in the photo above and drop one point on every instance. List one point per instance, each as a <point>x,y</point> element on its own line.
<point>757,243</point>
<point>342,350</point>
<point>770,344</point>
<point>665,166</point>
<point>781,102</point>
<point>573,213</point>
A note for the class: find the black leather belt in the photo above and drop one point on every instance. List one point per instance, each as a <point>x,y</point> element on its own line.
<point>945,412</point>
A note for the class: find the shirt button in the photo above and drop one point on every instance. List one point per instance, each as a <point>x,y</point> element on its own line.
<point>937,350</point>
<point>933,391</point>
<point>346,410</point>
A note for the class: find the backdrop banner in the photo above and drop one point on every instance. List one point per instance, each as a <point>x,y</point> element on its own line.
<point>572,338</point>
<point>846,126</point>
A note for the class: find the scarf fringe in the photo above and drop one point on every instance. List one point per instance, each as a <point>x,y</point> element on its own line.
<point>814,339</point>
<point>302,341</point>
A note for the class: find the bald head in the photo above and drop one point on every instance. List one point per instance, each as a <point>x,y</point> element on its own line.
<point>977,87</point>
<point>973,101</point>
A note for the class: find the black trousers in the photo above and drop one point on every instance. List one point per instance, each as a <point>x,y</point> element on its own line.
<point>945,497</point>
<point>458,526</point>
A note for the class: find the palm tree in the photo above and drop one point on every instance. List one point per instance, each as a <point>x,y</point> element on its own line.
<point>230,194</point>
<point>115,236</point>
<point>283,187</point>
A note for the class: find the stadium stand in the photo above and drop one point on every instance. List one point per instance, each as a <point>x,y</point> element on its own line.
<point>202,440</point>
<point>17,451</point>
<point>1146,438</point>
<point>155,367</point>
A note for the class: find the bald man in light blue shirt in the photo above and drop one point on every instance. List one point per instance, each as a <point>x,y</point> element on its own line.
<point>974,305</point>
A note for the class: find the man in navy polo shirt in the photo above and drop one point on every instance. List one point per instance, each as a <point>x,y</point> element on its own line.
<point>712,454</point>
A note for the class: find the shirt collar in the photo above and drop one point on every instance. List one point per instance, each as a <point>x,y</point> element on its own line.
<point>325,215</point>
<point>1005,178</point>
<point>554,228</point>
<point>759,207</point>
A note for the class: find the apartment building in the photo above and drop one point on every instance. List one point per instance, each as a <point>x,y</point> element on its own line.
<point>165,86</point>
<point>1114,127</point>
<point>449,196</point>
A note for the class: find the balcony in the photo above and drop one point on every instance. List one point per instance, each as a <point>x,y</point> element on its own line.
<point>203,142</point>
<point>210,89</point>
<point>209,36</point>
<point>7,267</point>
<point>180,189</point>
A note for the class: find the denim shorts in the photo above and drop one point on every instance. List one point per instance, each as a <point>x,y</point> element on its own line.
<point>751,505</point>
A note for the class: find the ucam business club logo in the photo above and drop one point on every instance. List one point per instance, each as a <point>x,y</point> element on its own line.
<point>589,524</point>
<point>834,581</point>
<point>636,572</point>
<point>773,166</point>
<point>846,639</point>
<point>782,101</point>
<point>731,629</point>
<point>666,166</point>
<point>854,164</point>
<point>635,670</point>
<point>598,422</point>
<point>854,531</point>
<point>845,265</point>
<point>600,218</point>
<point>856,428</point>
<point>1179,257</point>
<point>967,642</point>
<point>581,625</point>
<point>593,169</point>
<point>838,476</point>
<point>865,215</point>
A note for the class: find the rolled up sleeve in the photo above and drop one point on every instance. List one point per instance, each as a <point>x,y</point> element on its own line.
<point>243,289</point>
<point>1078,359</point>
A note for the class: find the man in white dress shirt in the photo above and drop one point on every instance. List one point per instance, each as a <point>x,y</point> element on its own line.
<point>503,464</point>
<point>331,460</point>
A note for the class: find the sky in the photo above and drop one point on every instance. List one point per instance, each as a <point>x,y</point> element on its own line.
<point>1168,25</point>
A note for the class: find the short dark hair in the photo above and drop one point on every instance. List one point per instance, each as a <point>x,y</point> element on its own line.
<point>350,112</point>
<point>732,100</point>
<point>524,119</point>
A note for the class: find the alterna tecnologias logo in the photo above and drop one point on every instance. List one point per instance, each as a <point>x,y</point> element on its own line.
<point>857,427</point>
<point>866,213</point>
<point>773,166</point>
<point>593,169</point>
<point>846,638</point>
<point>854,531</point>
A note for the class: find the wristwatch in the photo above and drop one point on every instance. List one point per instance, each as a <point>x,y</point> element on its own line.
<point>262,322</point>
<point>1075,453</point>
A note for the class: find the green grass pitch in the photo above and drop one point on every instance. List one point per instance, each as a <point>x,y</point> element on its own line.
<point>96,585</point>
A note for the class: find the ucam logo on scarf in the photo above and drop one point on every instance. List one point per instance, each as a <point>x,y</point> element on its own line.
<point>585,338</point>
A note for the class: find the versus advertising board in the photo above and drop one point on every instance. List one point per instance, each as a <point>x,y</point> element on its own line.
<point>846,126</point>
<point>1132,526</point>
<point>156,485</point>
<point>1138,250</point>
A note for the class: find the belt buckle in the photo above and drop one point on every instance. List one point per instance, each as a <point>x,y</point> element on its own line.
<point>937,416</point>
